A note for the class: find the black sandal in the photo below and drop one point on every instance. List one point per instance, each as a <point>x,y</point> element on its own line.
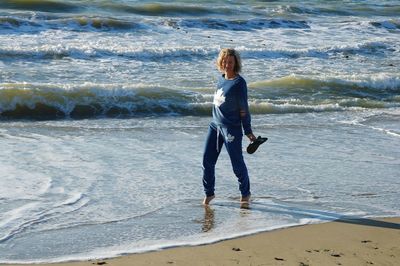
<point>253,146</point>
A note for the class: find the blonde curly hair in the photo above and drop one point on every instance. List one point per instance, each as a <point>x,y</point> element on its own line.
<point>229,52</point>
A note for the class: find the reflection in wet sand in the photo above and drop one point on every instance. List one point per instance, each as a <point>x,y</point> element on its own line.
<point>208,222</point>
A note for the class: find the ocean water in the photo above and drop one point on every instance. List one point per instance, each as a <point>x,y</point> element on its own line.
<point>104,108</point>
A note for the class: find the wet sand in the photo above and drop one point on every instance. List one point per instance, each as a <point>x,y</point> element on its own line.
<point>342,242</point>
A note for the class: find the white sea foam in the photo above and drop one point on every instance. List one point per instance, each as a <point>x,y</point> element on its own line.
<point>386,131</point>
<point>96,199</point>
<point>17,183</point>
<point>148,245</point>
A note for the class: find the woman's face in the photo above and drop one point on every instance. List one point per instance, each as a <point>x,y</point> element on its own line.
<point>229,63</point>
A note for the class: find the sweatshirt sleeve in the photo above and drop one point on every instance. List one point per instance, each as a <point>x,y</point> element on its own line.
<point>244,108</point>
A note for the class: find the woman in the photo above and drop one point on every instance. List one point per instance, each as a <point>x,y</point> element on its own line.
<point>230,115</point>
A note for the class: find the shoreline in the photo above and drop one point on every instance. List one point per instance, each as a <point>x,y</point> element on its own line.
<point>358,241</point>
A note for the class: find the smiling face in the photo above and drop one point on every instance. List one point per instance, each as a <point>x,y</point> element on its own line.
<point>228,64</point>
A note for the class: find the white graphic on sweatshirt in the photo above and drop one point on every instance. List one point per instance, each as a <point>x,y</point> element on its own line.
<point>230,138</point>
<point>219,97</point>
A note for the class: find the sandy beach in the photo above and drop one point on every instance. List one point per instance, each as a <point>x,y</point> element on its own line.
<point>342,242</point>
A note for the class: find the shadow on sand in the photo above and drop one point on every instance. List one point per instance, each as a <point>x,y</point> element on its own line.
<point>300,213</point>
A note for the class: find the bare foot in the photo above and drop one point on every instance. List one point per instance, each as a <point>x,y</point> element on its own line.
<point>207,200</point>
<point>245,202</point>
<point>245,199</point>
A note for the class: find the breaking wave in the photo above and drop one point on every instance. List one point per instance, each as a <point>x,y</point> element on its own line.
<point>32,24</point>
<point>387,24</point>
<point>289,94</point>
<point>349,9</point>
<point>241,25</point>
<point>29,23</point>
<point>158,9</point>
<point>184,53</point>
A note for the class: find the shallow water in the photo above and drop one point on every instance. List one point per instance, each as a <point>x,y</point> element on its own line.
<point>103,187</point>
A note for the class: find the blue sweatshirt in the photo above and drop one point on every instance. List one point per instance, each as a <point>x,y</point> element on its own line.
<point>230,104</point>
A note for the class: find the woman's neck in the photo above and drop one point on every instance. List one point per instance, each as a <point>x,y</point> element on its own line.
<point>230,75</point>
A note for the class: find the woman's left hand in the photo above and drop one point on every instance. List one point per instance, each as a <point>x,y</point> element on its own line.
<point>251,137</point>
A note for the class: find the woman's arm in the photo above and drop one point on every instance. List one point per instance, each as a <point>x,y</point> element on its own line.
<point>244,111</point>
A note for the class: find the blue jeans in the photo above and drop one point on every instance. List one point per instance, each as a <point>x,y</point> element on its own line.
<point>232,138</point>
